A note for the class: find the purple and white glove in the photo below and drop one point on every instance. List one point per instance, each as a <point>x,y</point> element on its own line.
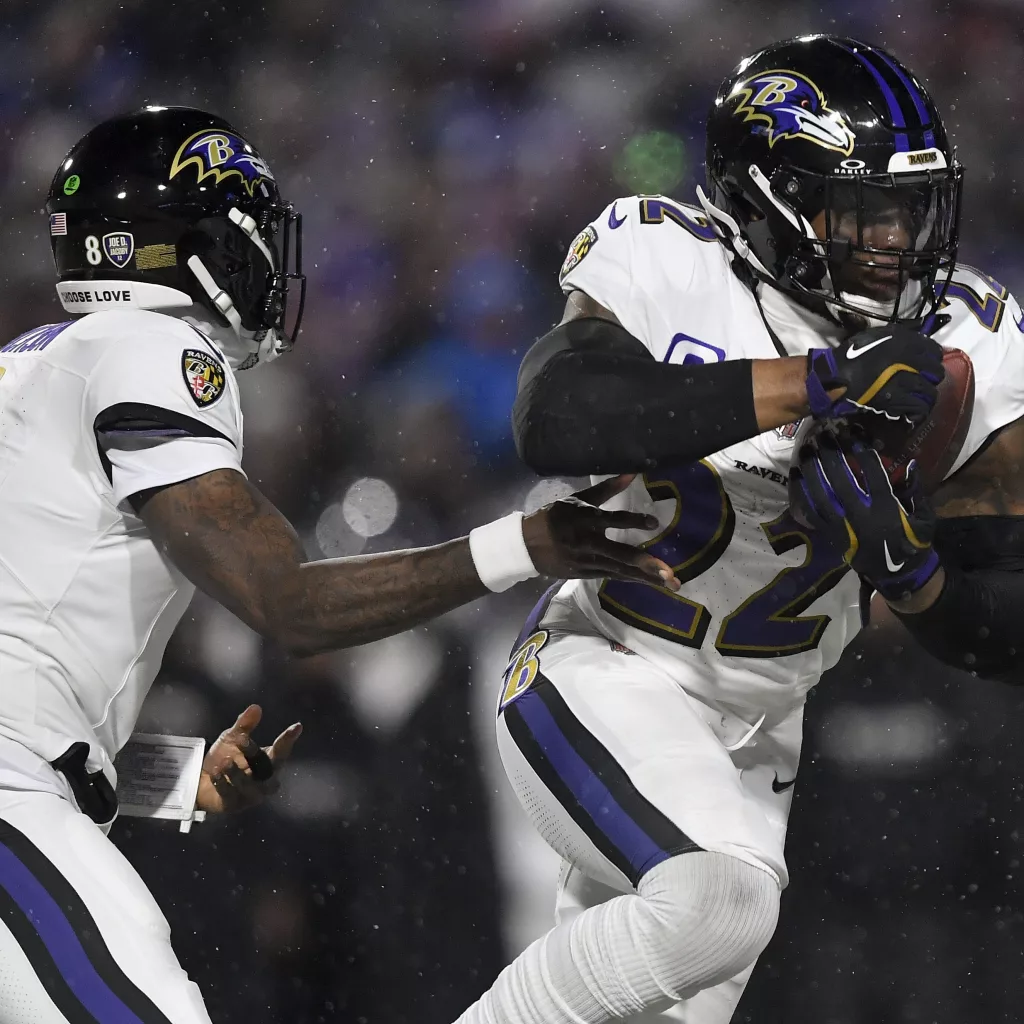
<point>892,371</point>
<point>839,486</point>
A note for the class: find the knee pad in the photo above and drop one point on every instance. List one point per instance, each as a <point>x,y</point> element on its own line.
<point>708,917</point>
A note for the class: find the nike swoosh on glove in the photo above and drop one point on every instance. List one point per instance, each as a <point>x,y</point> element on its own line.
<point>844,492</point>
<point>893,371</point>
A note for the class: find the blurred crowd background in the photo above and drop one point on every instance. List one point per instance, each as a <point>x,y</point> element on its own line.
<point>444,153</point>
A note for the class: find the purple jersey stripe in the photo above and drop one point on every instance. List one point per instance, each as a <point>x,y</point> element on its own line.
<point>642,852</point>
<point>895,110</point>
<point>61,942</point>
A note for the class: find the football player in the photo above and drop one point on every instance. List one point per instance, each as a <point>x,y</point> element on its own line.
<point>121,490</point>
<point>654,737</point>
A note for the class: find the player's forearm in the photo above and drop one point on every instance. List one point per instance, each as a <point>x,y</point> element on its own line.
<point>780,391</point>
<point>923,599</point>
<point>338,603</point>
<point>609,412</point>
<point>230,541</point>
<point>974,623</point>
<point>969,614</point>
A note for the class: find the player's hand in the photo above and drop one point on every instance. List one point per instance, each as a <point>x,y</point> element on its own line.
<point>885,537</point>
<point>237,772</point>
<point>892,371</point>
<point>566,539</point>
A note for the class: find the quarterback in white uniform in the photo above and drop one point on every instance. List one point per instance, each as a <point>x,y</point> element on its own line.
<point>653,737</point>
<point>121,490</point>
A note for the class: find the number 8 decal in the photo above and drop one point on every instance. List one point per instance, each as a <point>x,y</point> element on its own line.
<point>92,250</point>
<point>768,624</point>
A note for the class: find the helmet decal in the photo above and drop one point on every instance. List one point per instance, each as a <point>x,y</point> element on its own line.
<point>221,154</point>
<point>119,247</point>
<point>793,107</point>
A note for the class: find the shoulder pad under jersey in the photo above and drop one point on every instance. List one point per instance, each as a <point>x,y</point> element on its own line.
<point>985,322</point>
<point>144,358</point>
<point>638,247</point>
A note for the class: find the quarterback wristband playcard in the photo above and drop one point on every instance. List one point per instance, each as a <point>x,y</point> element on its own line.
<point>158,777</point>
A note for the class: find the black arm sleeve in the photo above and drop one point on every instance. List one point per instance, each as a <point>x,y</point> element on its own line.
<point>977,624</point>
<point>592,399</point>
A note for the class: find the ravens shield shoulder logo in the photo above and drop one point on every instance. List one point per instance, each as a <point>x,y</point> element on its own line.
<point>204,376</point>
<point>581,245</point>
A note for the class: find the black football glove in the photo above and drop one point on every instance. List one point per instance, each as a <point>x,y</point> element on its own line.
<point>893,371</point>
<point>885,538</point>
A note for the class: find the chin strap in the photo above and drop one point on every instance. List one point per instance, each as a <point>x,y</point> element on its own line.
<point>222,302</point>
<point>728,230</point>
<point>256,346</point>
<point>798,220</point>
<point>746,265</point>
<point>248,226</point>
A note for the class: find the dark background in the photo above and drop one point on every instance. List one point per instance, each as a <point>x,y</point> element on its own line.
<point>444,154</point>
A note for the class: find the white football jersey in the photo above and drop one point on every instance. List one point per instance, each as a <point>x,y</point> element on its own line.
<point>91,412</point>
<point>765,606</point>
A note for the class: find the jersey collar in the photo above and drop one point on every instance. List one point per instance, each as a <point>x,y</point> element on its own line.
<point>796,328</point>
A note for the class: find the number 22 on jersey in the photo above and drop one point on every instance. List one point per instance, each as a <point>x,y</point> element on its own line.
<point>769,623</point>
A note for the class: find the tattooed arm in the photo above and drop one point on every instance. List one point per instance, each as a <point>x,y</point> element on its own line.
<point>991,484</point>
<point>969,614</point>
<point>231,542</point>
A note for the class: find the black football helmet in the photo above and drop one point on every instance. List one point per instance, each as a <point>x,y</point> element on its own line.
<point>177,203</point>
<point>829,172</point>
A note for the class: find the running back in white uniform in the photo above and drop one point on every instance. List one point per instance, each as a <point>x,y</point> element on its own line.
<point>636,724</point>
<point>764,609</point>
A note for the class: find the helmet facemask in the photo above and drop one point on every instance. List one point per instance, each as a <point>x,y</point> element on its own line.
<point>884,246</point>
<point>245,276</point>
<point>875,248</point>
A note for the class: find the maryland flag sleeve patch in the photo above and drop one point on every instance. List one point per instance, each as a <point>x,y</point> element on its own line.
<point>204,376</point>
<point>581,245</point>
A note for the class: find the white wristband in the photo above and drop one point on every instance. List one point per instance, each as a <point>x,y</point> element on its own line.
<point>500,553</point>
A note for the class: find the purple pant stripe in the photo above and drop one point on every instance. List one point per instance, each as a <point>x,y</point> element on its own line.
<point>593,795</point>
<point>62,942</point>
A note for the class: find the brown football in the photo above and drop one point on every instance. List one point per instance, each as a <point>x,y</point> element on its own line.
<point>936,443</point>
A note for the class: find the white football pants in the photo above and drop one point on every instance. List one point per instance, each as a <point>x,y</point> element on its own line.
<point>82,940</point>
<point>715,1005</point>
<point>622,771</point>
